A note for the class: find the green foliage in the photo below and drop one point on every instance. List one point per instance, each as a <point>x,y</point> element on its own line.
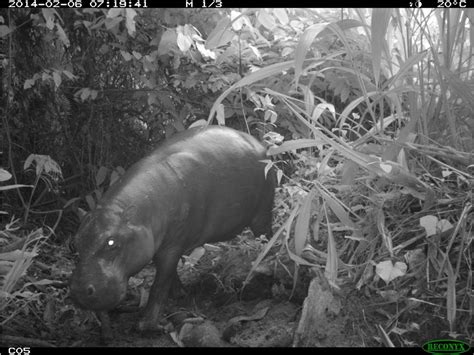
<point>16,295</point>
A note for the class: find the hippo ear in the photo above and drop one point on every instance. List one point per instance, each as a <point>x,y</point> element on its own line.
<point>81,214</point>
<point>84,217</point>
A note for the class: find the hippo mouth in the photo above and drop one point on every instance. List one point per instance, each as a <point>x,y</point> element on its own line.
<point>105,303</point>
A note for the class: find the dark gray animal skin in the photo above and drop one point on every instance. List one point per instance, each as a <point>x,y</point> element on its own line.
<point>201,186</point>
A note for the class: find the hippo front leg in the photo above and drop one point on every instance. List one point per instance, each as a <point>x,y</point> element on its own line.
<point>106,329</point>
<point>166,276</point>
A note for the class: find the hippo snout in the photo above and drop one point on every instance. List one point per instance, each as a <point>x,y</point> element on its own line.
<point>84,296</point>
<point>95,291</point>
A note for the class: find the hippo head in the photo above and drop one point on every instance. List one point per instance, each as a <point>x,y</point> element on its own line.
<point>111,249</point>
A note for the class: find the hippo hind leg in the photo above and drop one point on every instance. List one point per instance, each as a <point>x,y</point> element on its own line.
<point>177,289</point>
<point>262,221</point>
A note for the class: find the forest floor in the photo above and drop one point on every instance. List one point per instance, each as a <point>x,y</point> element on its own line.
<point>215,311</point>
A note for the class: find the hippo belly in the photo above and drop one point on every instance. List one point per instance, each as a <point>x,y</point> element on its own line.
<point>201,186</point>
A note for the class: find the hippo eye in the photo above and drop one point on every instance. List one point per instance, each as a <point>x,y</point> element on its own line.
<point>111,243</point>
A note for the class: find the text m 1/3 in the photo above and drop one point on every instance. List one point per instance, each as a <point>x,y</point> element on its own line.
<point>203,3</point>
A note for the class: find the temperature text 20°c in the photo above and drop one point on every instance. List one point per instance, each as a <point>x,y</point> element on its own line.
<point>451,3</point>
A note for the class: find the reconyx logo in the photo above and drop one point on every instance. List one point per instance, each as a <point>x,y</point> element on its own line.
<point>446,346</point>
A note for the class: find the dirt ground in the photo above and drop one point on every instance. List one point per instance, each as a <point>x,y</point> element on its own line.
<point>213,313</point>
<point>271,311</point>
